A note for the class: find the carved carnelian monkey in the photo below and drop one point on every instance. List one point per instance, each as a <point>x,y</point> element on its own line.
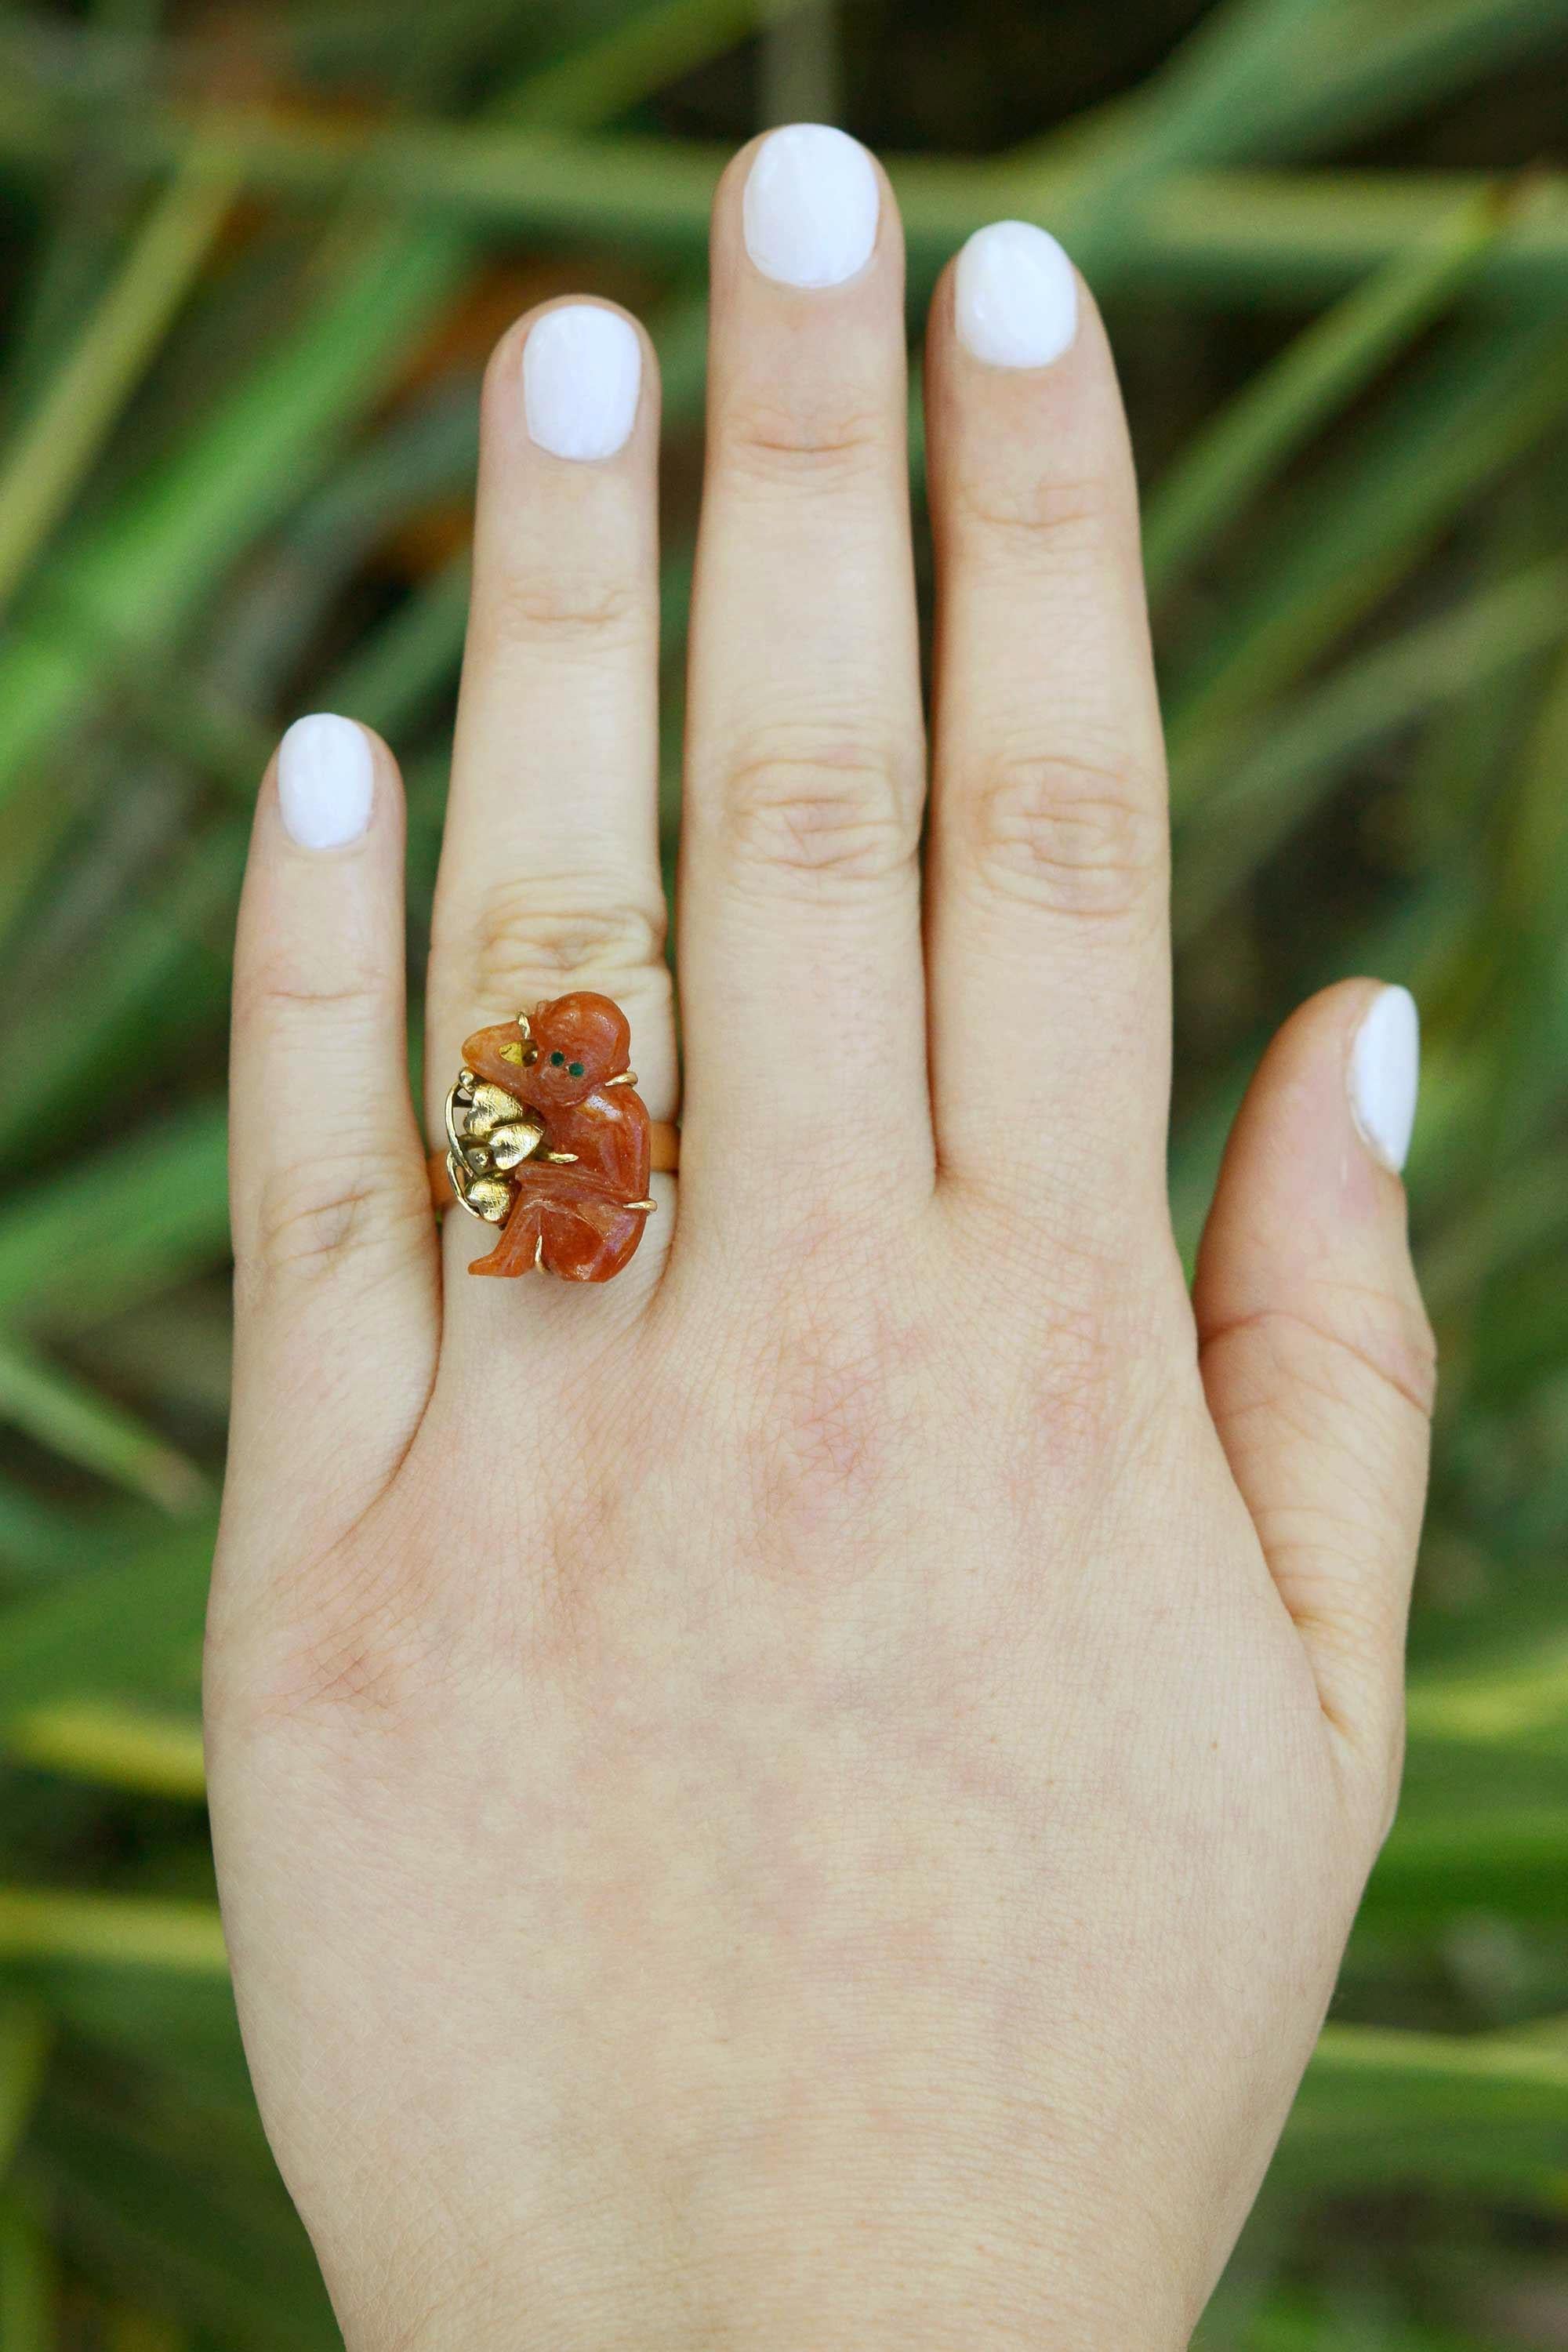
<point>549,1135</point>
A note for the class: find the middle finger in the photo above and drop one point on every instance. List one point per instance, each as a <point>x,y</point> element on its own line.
<point>800,948</point>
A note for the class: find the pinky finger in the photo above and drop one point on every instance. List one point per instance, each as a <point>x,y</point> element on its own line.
<point>1317,1356</point>
<point>336,1266</point>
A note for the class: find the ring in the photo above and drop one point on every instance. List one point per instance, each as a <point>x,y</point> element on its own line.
<point>547,1138</point>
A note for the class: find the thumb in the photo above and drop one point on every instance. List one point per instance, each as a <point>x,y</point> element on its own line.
<point>1318,1359</point>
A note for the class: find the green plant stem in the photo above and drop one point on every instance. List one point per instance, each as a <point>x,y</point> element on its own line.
<point>28,2283</point>
<point>124,1225</point>
<point>112,1746</point>
<point>616,71</point>
<point>61,1411</point>
<point>1459,2067</point>
<point>131,1629</point>
<point>1286,238</point>
<point>139,2331</point>
<point>1319,375</point>
<point>1237,805</point>
<point>1346,537</point>
<point>41,472</point>
<point>144,572</point>
<point>39,1924</point>
<point>24,2041</point>
<point>1280,236</point>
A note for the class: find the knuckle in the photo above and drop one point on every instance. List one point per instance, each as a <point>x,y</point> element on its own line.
<point>564,605</point>
<point>821,807</point>
<point>1060,1281</point>
<point>1074,834</point>
<point>312,1219</point>
<point>1324,1362</point>
<point>279,995</point>
<point>548,936</point>
<point>1072,1404</point>
<point>1362,1334</point>
<point>825,1435</point>
<point>1403,1349</point>
<point>1099,1322</point>
<point>1033,515</point>
<point>770,440</point>
<point>349,1638</point>
<point>1319,1562</point>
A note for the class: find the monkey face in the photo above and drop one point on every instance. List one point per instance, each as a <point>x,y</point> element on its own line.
<point>556,1056</point>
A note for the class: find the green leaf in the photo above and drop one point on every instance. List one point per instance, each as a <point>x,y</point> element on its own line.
<point>1236,800</point>
<point>1347,537</point>
<point>40,473</point>
<point>29,2282</point>
<point>121,1931</point>
<point>25,2040</point>
<point>131,1629</point>
<point>148,2209</point>
<point>1314,379</point>
<point>1435,1868</point>
<point>1284,239</point>
<point>112,1748</point>
<point>118,1228</point>
<point>145,571</point>
<point>62,1412</point>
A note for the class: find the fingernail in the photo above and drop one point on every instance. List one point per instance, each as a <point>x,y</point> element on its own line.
<point>582,372</point>
<point>811,205</point>
<point>1384,1073</point>
<point>1016,296</point>
<point>326,780</point>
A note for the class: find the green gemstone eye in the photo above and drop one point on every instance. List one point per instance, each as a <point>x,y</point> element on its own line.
<point>573,1069</point>
<point>556,1060</point>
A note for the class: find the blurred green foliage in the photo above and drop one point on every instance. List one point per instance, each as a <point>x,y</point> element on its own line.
<point>253,260</point>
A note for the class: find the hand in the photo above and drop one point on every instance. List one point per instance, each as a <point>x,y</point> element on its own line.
<point>812,1795</point>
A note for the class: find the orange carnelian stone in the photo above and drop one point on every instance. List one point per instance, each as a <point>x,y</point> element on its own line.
<point>579,1220</point>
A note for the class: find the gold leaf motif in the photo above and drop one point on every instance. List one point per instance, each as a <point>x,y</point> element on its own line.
<point>515,1141</point>
<point>491,1198</point>
<point>492,1108</point>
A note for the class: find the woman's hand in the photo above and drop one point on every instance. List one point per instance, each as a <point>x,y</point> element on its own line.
<point>813,1795</point>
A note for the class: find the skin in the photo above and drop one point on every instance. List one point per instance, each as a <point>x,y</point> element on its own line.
<point>812,1794</point>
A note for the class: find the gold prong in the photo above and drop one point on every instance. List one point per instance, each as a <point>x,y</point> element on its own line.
<point>626,1078</point>
<point>539,1250</point>
<point>522,1023</point>
<point>649,1206</point>
<point>561,1159</point>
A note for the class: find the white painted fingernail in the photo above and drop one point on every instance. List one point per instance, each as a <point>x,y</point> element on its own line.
<point>582,372</point>
<point>1016,296</point>
<point>1384,1073</point>
<point>811,205</point>
<point>326,780</point>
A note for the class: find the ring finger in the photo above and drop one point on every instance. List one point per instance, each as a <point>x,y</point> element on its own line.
<point>550,876</point>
